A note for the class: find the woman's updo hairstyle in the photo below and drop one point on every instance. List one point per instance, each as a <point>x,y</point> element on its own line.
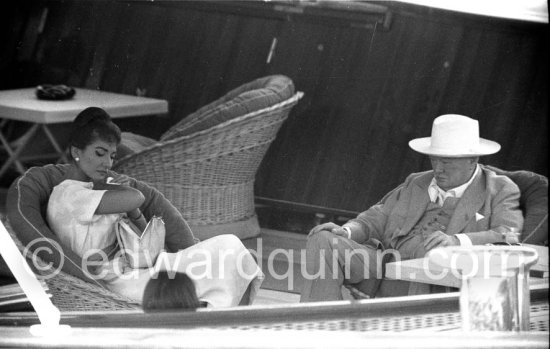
<point>91,124</point>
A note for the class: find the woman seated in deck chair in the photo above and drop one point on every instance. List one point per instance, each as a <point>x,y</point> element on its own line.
<point>85,206</point>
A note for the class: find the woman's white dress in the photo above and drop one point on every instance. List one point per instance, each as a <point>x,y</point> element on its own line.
<point>221,267</point>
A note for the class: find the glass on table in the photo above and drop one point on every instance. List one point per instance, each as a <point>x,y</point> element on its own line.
<point>512,235</point>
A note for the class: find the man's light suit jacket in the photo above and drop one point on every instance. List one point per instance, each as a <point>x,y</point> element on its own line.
<point>487,207</point>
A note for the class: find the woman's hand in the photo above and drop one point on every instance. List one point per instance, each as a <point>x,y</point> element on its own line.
<point>119,179</point>
<point>119,182</point>
<point>138,218</point>
<point>119,197</point>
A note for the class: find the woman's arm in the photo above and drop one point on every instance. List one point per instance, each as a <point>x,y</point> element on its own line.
<point>138,218</point>
<point>178,234</point>
<point>119,198</point>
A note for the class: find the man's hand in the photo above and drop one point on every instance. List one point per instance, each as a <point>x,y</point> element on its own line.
<point>439,239</point>
<point>330,227</point>
<point>325,226</point>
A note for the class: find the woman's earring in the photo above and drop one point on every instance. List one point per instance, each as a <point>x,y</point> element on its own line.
<point>76,159</point>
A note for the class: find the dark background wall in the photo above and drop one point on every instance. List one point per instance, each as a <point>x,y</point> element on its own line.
<point>369,88</point>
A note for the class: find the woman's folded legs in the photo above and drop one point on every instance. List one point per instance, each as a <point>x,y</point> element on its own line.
<point>221,267</point>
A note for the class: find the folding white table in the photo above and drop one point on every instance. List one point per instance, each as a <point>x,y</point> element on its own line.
<point>23,105</point>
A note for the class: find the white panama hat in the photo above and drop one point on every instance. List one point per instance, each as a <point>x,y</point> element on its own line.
<point>454,136</point>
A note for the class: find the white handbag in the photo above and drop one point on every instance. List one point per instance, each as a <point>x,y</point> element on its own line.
<point>141,249</point>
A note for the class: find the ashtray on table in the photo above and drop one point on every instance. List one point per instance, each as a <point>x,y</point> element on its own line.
<point>54,92</point>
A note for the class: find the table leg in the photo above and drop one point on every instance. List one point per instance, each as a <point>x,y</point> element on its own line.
<point>15,154</point>
<point>5,144</point>
<point>53,141</point>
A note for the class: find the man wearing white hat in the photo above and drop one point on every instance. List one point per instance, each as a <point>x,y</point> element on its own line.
<point>459,202</point>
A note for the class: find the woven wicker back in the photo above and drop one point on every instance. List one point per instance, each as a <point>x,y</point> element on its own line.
<point>209,175</point>
<point>255,95</point>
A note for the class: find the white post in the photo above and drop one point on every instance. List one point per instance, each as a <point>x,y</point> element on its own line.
<point>48,313</point>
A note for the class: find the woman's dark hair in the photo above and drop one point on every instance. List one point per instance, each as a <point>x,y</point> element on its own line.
<point>167,292</point>
<point>90,124</point>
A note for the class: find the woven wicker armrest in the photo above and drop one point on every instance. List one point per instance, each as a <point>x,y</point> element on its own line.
<point>70,293</point>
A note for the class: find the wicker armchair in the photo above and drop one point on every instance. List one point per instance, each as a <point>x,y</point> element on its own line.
<point>60,267</point>
<point>206,164</point>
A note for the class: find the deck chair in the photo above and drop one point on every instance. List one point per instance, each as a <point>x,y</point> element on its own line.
<point>70,287</point>
<point>206,163</point>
